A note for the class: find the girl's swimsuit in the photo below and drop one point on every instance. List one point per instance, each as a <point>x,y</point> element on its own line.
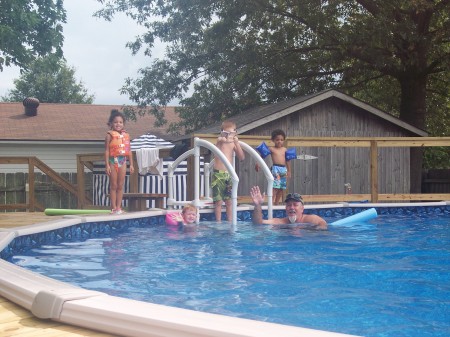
<point>119,160</point>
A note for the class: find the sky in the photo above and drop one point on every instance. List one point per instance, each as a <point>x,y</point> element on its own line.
<point>96,49</point>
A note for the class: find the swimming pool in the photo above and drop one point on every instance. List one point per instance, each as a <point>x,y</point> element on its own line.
<point>323,271</point>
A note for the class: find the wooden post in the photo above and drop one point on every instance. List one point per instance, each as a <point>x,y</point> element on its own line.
<point>190,175</point>
<point>134,177</point>
<point>81,193</point>
<point>31,178</point>
<point>374,171</point>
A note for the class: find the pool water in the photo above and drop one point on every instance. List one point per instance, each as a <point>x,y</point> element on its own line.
<point>388,277</point>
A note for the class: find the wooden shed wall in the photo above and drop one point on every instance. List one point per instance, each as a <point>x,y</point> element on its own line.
<point>335,166</point>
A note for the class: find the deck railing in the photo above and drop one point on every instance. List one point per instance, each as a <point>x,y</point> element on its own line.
<point>87,161</point>
<point>33,162</point>
<point>373,143</point>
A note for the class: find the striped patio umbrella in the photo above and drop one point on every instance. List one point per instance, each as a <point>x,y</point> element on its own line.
<point>149,141</point>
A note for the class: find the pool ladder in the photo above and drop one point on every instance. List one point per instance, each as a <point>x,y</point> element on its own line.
<point>195,151</point>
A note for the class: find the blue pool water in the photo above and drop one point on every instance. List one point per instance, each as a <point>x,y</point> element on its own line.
<point>388,277</point>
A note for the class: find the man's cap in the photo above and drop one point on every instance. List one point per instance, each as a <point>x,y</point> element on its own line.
<point>294,197</point>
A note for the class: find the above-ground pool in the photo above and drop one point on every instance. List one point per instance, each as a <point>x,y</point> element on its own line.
<point>387,277</point>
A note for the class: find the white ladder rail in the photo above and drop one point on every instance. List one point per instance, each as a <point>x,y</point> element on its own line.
<point>170,202</point>
<point>267,173</point>
<point>230,167</point>
<point>234,178</point>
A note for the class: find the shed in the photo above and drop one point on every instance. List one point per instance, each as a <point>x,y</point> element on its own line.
<point>329,113</point>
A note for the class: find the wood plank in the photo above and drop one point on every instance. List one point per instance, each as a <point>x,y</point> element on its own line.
<point>144,195</point>
<point>13,206</point>
<point>13,160</point>
<point>415,197</point>
<point>81,193</point>
<point>342,141</point>
<point>138,200</point>
<point>363,197</point>
<point>55,176</point>
<point>373,172</point>
<point>418,142</point>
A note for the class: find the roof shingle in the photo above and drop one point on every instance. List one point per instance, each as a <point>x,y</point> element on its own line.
<point>72,122</point>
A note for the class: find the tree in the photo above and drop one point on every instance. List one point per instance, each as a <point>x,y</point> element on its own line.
<point>236,54</point>
<point>50,80</point>
<point>29,29</point>
<point>384,94</point>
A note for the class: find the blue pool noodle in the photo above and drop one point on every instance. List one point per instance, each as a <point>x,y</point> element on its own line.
<point>363,216</point>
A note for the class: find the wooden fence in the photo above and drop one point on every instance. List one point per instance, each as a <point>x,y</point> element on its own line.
<point>14,189</point>
<point>20,189</point>
<point>76,189</point>
<point>436,181</point>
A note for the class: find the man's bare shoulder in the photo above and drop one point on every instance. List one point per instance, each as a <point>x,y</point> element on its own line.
<point>316,220</point>
<point>276,221</point>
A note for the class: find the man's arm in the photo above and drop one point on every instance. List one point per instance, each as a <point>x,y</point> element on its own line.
<point>257,217</point>
<point>316,220</point>
<point>258,200</point>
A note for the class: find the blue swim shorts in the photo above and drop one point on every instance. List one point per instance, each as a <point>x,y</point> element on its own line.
<point>279,176</point>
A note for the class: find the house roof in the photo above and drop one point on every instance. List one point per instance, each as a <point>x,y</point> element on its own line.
<point>72,122</point>
<point>261,115</point>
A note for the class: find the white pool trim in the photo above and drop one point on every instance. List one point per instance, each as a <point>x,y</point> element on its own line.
<point>47,298</point>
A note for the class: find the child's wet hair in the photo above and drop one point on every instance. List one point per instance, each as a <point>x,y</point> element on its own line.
<point>115,113</point>
<point>278,132</point>
<point>189,208</point>
<point>228,124</point>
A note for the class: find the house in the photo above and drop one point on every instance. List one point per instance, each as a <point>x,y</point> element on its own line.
<point>61,131</point>
<point>56,133</point>
<point>329,113</point>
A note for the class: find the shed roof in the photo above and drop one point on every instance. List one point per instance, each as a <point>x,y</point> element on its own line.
<point>71,122</point>
<point>261,115</point>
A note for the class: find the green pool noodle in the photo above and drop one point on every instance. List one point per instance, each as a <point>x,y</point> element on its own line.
<point>61,211</point>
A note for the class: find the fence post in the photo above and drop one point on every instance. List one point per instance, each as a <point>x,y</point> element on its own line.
<point>81,199</point>
<point>31,178</point>
<point>134,177</point>
<point>374,171</point>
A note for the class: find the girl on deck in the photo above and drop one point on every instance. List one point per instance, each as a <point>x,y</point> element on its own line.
<point>117,151</point>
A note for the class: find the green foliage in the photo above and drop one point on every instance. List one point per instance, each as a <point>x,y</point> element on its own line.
<point>29,29</point>
<point>225,56</point>
<point>50,80</point>
<point>438,121</point>
<point>437,158</point>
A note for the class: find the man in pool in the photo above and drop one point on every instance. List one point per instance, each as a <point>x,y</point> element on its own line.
<point>294,211</point>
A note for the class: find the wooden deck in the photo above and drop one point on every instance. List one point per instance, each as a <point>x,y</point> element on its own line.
<point>17,321</point>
